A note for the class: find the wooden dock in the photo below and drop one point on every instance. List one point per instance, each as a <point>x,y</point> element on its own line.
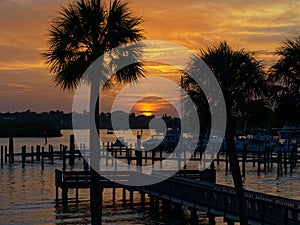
<point>216,200</point>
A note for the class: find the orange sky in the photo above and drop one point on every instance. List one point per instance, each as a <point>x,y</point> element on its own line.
<point>258,26</point>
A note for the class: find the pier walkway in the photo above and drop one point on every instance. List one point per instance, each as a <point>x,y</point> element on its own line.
<point>216,200</point>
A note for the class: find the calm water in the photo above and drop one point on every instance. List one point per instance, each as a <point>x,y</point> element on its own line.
<point>27,195</point>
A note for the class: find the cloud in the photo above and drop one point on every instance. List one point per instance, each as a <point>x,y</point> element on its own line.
<point>255,25</point>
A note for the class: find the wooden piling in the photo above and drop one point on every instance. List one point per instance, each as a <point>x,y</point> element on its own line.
<point>258,160</point>
<point>72,150</point>
<point>131,198</point>
<point>211,219</point>
<point>244,160</point>
<point>153,156</point>
<point>124,196</point>
<point>151,203</point>
<point>285,162</point>
<point>64,158</point>
<point>278,165</point>
<point>51,154</point>
<point>60,151</point>
<point>32,154</point>
<point>143,199</point>
<point>1,156</point>
<point>77,191</point>
<point>43,155</point>
<point>291,160</point>
<point>226,161</point>
<point>265,158</point>
<point>38,153</point>
<point>114,196</point>
<point>5,149</point>
<point>23,155</point>
<point>65,198</point>
<point>11,150</point>
<point>138,152</point>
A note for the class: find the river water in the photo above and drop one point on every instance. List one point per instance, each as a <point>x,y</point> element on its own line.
<point>27,195</point>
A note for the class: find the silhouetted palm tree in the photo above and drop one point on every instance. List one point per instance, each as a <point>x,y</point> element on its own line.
<point>241,78</point>
<point>83,31</point>
<point>285,75</point>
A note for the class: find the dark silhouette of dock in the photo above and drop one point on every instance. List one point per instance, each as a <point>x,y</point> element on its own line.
<point>181,190</point>
<point>187,188</point>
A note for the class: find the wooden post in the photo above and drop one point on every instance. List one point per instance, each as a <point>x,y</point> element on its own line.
<point>278,168</point>
<point>64,158</point>
<point>258,160</point>
<point>291,159</point>
<point>184,159</point>
<point>194,217</point>
<point>107,154</point>
<point>114,196</point>
<point>265,159</point>
<point>124,195</point>
<point>52,154</point>
<point>268,158</point>
<point>42,162</point>
<point>32,154</point>
<point>76,194</point>
<point>65,198</point>
<point>138,152</point>
<point>38,153</point>
<point>226,161</point>
<point>23,155</point>
<point>11,150</point>
<point>60,151</point>
<point>153,156</point>
<point>244,160</point>
<point>271,157</point>
<point>279,163</point>
<point>131,198</point>
<point>72,150</point>
<point>130,154</point>
<point>80,152</point>
<point>211,219</point>
<point>146,156</point>
<point>127,155</point>
<point>1,156</point>
<point>151,203</point>
<point>49,152</point>
<point>160,157</point>
<point>143,199</point>
<point>5,148</point>
<point>285,162</point>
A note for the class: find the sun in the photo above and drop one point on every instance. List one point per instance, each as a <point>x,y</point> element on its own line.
<point>147,113</point>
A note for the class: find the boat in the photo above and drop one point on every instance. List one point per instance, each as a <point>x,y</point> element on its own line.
<point>167,141</point>
<point>154,142</point>
<point>119,142</point>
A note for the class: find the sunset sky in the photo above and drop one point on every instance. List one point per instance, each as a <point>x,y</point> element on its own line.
<point>25,82</point>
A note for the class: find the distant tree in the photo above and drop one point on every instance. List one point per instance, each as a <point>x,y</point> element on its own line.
<point>83,31</point>
<point>241,78</point>
<point>285,76</point>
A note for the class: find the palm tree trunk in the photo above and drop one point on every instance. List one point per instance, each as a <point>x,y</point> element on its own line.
<point>235,170</point>
<point>95,185</point>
